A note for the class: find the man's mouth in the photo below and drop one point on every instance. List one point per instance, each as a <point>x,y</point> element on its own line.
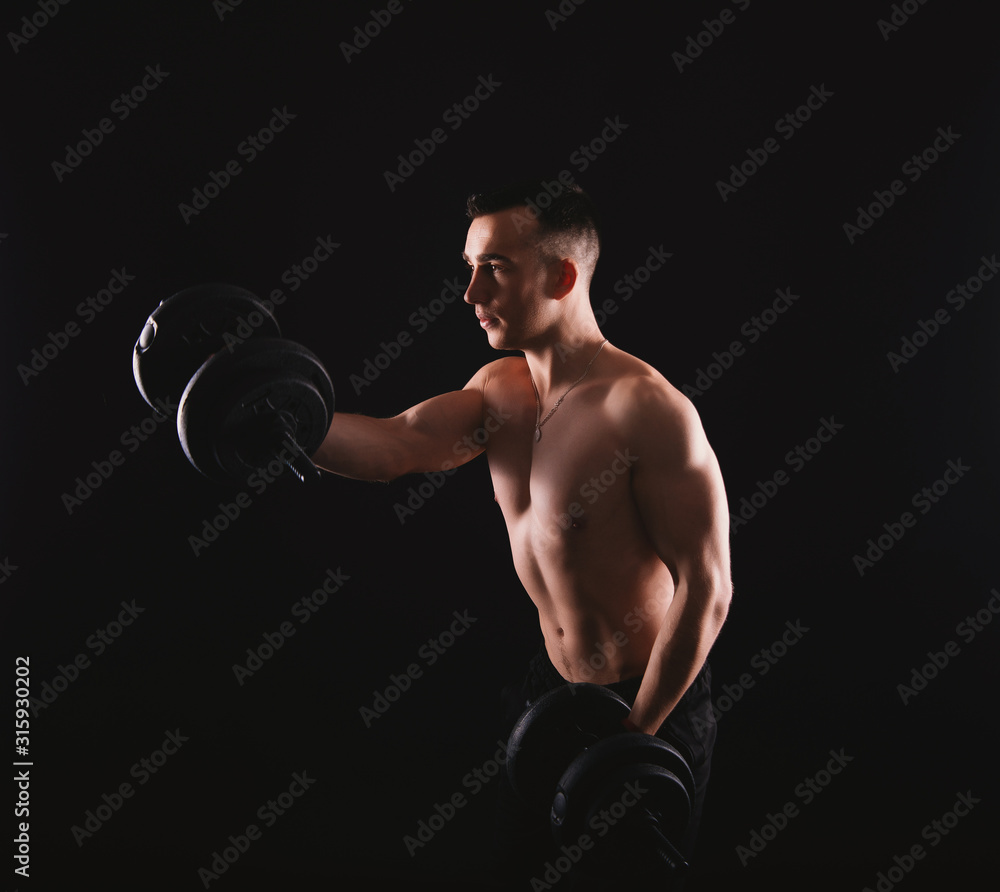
<point>486,321</point>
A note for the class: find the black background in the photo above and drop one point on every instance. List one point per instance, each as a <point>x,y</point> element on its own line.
<point>69,568</point>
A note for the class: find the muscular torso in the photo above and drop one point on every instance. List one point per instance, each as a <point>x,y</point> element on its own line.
<point>578,541</point>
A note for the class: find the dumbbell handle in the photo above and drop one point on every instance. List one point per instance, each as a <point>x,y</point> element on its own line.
<point>276,436</point>
<point>299,463</point>
<point>665,849</point>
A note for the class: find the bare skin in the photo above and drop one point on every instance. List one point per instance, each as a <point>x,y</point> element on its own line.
<point>617,516</point>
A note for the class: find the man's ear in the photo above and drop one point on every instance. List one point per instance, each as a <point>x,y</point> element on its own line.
<point>565,273</point>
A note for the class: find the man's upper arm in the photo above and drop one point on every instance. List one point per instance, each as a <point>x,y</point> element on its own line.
<point>678,488</point>
<point>438,432</point>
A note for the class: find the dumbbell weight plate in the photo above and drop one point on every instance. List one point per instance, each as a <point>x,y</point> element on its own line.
<point>597,779</point>
<point>230,413</point>
<point>636,817</point>
<point>553,731</point>
<point>187,328</point>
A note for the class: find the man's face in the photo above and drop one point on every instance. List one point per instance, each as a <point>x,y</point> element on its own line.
<point>508,283</point>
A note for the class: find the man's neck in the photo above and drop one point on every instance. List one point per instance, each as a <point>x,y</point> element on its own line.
<point>560,363</point>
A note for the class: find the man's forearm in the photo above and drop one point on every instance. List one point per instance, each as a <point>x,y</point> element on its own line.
<point>681,647</point>
<point>434,435</point>
<point>362,448</point>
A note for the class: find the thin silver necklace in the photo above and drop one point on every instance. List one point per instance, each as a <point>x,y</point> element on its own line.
<point>538,402</point>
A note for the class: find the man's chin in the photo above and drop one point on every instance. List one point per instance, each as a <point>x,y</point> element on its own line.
<point>502,343</point>
<point>501,339</point>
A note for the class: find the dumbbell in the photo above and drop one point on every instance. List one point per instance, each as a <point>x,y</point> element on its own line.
<point>247,396</point>
<point>570,755</point>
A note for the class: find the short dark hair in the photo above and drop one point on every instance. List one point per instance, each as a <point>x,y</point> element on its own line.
<point>568,224</point>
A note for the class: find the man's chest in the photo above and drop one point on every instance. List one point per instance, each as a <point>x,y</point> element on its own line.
<point>579,469</point>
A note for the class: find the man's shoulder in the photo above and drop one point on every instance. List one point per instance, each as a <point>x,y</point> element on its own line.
<point>499,370</point>
<point>635,381</point>
<point>644,397</point>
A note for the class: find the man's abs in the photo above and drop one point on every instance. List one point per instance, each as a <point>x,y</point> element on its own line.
<point>600,603</point>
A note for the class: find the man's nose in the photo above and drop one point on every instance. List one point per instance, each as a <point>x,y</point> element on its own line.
<point>474,292</point>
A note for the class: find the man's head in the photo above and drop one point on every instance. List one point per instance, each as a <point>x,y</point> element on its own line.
<point>565,218</point>
<point>532,248</point>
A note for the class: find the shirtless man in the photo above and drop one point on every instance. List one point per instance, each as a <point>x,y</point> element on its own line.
<point>612,496</point>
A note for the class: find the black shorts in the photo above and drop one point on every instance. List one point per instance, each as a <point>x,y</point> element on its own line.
<point>523,839</point>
